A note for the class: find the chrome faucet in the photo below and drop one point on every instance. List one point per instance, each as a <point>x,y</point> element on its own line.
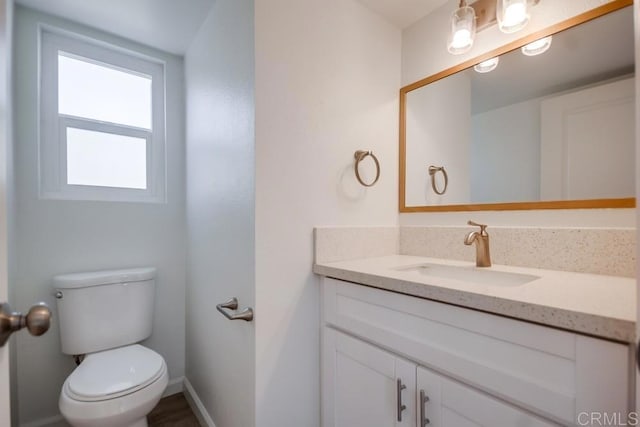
<point>481,239</point>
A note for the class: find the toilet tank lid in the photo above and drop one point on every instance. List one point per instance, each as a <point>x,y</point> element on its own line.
<point>106,277</point>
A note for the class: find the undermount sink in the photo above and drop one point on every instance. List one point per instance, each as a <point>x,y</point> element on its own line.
<point>470,274</point>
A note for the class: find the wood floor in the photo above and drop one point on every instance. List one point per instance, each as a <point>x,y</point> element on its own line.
<point>173,411</point>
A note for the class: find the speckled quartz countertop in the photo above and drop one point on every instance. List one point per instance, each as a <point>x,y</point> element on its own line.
<point>602,306</point>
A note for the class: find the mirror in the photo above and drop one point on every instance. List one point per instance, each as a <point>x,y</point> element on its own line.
<point>555,130</point>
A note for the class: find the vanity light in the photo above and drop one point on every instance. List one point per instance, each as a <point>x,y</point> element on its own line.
<point>512,15</point>
<point>463,29</point>
<point>537,47</point>
<point>487,66</point>
<point>469,18</point>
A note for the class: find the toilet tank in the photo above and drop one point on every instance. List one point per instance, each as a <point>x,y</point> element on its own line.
<point>104,309</point>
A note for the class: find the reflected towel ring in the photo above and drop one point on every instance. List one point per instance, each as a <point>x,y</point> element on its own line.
<point>360,156</point>
<point>432,172</point>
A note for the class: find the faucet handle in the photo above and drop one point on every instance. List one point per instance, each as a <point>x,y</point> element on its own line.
<point>483,227</point>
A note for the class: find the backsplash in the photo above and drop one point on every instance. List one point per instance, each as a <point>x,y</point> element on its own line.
<point>345,243</point>
<point>609,251</point>
<point>587,250</point>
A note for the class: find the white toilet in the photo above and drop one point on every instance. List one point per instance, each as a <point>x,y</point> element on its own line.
<point>102,315</point>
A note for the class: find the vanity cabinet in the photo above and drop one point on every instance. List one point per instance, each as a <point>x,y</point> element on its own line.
<point>477,369</point>
<point>367,386</point>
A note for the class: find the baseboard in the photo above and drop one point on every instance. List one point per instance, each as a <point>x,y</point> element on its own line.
<point>196,405</point>
<point>55,421</point>
<point>175,386</point>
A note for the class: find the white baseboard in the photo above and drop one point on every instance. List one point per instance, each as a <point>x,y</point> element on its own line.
<point>175,386</point>
<point>55,421</point>
<point>196,405</point>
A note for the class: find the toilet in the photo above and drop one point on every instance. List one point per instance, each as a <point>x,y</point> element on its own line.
<point>102,317</point>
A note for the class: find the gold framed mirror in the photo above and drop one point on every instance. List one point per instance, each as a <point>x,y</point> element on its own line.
<point>431,181</point>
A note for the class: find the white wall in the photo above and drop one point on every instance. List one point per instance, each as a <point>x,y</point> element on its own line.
<point>56,237</point>
<point>327,80</point>
<point>424,53</point>
<point>220,211</point>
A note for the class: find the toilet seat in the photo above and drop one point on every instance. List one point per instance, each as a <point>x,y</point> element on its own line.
<point>113,373</point>
<point>122,401</point>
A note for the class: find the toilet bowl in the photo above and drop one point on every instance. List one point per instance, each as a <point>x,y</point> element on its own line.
<point>114,388</point>
<point>103,315</point>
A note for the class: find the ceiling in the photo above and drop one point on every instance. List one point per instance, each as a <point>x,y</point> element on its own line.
<point>403,13</point>
<point>167,25</point>
<point>171,25</point>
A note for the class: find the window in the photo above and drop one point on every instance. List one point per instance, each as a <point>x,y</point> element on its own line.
<point>101,122</point>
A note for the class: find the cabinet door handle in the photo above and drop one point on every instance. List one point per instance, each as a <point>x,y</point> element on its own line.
<point>401,407</point>
<point>423,410</point>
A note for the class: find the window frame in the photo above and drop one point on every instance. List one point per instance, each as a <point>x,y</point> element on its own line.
<point>52,153</point>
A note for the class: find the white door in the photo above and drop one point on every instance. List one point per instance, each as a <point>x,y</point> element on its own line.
<point>448,403</point>
<point>364,385</point>
<point>585,135</point>
<point>5,28</point>
<point>636,6</point>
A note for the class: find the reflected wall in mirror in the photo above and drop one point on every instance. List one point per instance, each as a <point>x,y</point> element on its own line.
<point>555,130</point>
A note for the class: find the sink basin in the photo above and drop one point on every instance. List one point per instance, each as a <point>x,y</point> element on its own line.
<point>471,274</point>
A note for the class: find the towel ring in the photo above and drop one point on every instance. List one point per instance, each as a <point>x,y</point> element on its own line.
<point>432,172</point>
<point>360,156</point>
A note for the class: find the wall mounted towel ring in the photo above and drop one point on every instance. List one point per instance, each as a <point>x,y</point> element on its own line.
<point>360,156</point>
<point>432,173</point>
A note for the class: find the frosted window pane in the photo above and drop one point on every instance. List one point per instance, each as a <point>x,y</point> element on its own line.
<point>101,93</point>
<point>106,159</point>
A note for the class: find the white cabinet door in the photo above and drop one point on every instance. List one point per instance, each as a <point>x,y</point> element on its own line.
<point>453,404</point>
<point>364,385</point>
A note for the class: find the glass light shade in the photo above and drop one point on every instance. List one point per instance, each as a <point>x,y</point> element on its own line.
<point>537,47</point>
<point>487,66</point>
<point>513,15</point>
<point>463,30</point>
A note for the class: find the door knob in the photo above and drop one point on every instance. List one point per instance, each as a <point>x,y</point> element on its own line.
<point>37,321</point>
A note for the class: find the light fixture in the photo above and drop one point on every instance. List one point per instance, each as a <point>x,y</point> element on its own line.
<point>469,18</point>
<point>537,47</point>
<point>463,29</point>
<point>513,15</point>
<point>487,66</point>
